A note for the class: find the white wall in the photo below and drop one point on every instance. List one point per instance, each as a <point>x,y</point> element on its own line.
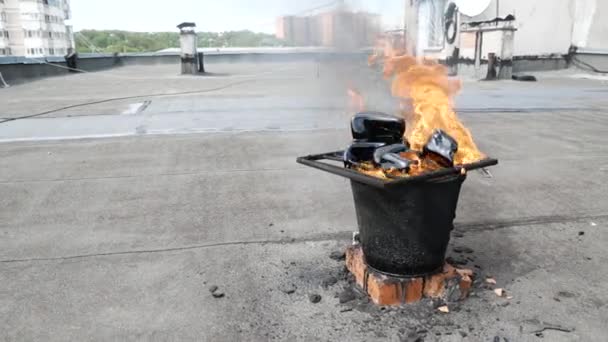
<point>544,26</point>
<point>551,26</point>
<point>597,38</point>
<point>583,11</point>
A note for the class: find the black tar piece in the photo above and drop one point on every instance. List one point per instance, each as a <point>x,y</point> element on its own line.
<point>377,127</point>
<point>442,148</point>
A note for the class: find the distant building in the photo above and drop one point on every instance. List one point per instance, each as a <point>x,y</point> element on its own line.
<point>337,28</point>
<point>295,30</point>
<point>35,28</point>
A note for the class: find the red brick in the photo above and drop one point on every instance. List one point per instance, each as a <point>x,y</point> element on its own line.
<point>390,291</point>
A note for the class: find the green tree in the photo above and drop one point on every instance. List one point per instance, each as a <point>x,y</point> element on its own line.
<point>110,41</point>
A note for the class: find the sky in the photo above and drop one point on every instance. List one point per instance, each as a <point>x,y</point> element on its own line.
<point>209,15</point>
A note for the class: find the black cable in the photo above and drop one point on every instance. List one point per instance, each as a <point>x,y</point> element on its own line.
<point>572,59</point>
<point>587,66</point>
<point>125,98</point>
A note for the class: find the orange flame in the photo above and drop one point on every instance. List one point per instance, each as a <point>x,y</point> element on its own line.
<point>426,88</point>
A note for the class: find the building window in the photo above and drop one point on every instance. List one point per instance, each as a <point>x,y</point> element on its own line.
<point>3,16</point>
<point>32,34</point>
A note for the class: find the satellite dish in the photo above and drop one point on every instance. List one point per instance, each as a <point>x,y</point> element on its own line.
<point>472,8</point>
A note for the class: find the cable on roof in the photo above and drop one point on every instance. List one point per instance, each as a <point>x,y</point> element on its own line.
<point>572,58</point>
<point>58,66</point>
<point>229,85</point>
<point>587,66</point>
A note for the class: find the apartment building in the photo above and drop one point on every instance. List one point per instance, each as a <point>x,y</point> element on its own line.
<point>337,28</point>
<point>295,30</point>
<point>35,28</point>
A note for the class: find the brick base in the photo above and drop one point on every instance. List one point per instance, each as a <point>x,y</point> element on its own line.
<point>450,285</point>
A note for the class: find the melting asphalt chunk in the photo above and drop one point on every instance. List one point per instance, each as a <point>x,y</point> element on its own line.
<point>382,151</point>
<point>360,152</point>
<point>395,161</point>
<point>441,147</point>
<point>377,127</point>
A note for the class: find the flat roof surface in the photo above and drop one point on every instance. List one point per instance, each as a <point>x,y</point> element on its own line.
<point>140,188</point>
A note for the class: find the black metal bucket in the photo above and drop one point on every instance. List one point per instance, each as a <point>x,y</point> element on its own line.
<point>404,223</point>
<point>405,230</point>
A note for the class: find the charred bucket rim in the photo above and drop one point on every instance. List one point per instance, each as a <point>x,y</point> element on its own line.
<point>414,274</point>
<point>314,161</point>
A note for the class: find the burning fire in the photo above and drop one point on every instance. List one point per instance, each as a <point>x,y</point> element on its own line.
<point>425,93</point>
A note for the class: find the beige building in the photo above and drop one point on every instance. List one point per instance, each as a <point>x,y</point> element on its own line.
<point>35,28</point>
<point>337,28</point>
<point>296,30</point>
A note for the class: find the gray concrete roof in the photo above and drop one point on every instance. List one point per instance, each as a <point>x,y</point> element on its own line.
<point>195,184</point>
